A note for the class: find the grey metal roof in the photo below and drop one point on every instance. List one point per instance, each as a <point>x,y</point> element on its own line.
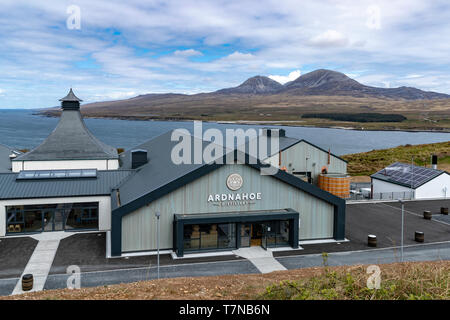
<point>71,97</point>
<point>407,175</point>
<point>70,140</point>
<point>5,162</point>
<point>287,142</point>
<point>159,170</point>
<point>10,188</point>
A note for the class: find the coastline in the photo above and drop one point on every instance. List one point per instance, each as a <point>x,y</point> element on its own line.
<point>285,123</point>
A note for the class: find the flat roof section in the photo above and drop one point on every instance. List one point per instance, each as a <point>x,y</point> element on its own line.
<point>237,216</point>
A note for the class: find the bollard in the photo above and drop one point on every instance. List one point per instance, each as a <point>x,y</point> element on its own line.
<point>427,215</point>
<point>419,236</point>
<point>444,210</point>
<point>27,282</point>
<point>372,240</point>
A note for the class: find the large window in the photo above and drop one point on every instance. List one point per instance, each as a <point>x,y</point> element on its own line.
<point>209,236</point>
<point>51,217</point>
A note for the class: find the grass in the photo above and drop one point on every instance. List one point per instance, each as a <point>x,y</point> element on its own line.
<point>406,282</point>
<point>367,163</point>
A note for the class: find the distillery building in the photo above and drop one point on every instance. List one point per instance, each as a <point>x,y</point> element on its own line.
<point>74,182</point>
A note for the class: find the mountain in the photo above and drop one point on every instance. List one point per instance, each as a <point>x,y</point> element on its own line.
<point>331,83</point>
<point>255,85</point>
<point>263,99</point>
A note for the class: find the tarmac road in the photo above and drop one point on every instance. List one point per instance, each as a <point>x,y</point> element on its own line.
<point>420,252</point>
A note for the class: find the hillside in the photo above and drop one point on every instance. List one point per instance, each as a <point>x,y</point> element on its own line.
<point>400,281</point>
<point>332,83</point>
<point>367,163</point>
<point>255,85</point>
<point>264,100</point>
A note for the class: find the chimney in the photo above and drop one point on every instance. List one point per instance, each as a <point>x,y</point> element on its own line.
<point>138,158</point>
<point>434,161</point>
<point>268,132</point>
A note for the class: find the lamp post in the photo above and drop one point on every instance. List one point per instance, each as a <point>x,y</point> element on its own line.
<point>403,218</point>
<point>157,214</point>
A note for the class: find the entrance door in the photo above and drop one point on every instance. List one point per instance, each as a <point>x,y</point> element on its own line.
<point>47,220</point>
<point>58,220</point>
<point>53,220</point>
<point>256,234</point>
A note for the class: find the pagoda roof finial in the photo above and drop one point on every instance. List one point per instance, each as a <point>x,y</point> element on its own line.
<point>71,97</point>
<point>71,101</point>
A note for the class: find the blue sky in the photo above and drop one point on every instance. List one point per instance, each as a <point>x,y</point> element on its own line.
<point>127,48</point>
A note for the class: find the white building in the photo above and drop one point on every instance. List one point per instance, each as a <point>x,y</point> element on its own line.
<point>401,180</point>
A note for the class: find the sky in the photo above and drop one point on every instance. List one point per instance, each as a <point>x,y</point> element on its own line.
<point>109,50</point>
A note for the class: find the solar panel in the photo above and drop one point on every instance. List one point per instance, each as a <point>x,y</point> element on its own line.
<point>407,174</point>
<point>56,174</point>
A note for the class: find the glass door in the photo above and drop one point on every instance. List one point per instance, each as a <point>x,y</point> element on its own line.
<point>58,220</point>
<point>264,237</point>
<point>245,235</point>
<point>53,220</point>
<point>47,220</point>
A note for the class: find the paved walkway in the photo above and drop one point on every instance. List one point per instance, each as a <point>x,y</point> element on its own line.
<point>262,259</point>
<point>41,260</point>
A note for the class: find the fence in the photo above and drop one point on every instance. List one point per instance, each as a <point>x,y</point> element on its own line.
<point>406,195</point>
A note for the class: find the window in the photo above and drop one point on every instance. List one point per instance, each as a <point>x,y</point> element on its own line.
<point>51,217</point>
<point>209,236</point>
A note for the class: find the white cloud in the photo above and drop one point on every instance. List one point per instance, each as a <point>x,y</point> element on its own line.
<point>187,53</point>
<point>284,79</point>
<point>238,57</point>
<point>329,38</point>
<point>115,95</point>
